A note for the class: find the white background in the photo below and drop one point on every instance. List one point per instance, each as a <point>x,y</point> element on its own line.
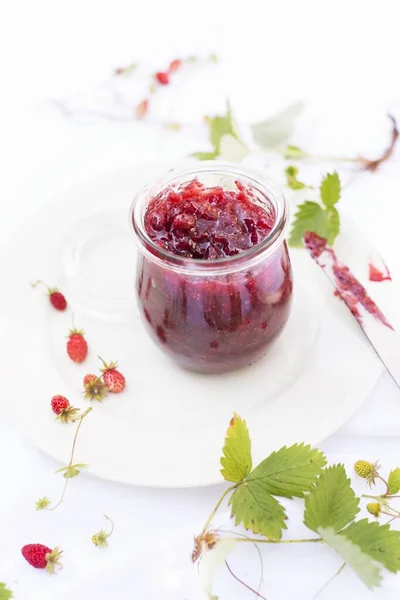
<point>342,59</point>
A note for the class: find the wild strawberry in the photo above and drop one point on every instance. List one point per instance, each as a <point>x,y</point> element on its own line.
<point>62,408</point>
<point>162,77</point>
<point>95,388</point>
<point>113,379</point>
<point>367,470</point>
<point>174,66</point>
<point>42,557</point>
<point>142,109</point>
<point>57,299</point>
<point>77,347</point>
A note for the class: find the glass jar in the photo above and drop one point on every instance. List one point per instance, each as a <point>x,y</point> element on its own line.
<point>213,316</point>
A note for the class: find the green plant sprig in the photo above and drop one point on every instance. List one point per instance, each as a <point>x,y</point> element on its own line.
<point>381,506</point>
<point>330,505</point>
<point>70,471</point>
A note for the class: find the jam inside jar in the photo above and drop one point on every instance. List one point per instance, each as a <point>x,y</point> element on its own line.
<point>214,280</point>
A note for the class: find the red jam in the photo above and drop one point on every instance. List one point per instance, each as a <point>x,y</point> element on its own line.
<point>213,322</point>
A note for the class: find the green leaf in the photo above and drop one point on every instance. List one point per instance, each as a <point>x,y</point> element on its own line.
<point>380,542</point>
<point>257,510</point>
<point>205,155</point>
<point>72,470</point>
<point>332,502</point>
<point>220,126</point>
<point>310,216</point>
<point>362,564</point>
<point>236,460</point>
<point>330,189</point>
<point>291,179</point>
<point>290,471</point>
<point>394,481</point>
<point>294,153</point>
<point>231,148</point>
<point>269,134</point>
<point>5,592</point>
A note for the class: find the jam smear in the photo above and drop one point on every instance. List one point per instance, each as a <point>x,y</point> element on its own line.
<point>207,223</point>
<point>376,275</point>
<point>349,289</point>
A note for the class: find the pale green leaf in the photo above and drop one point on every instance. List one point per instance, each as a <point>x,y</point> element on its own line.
<point>291,173</point>
<point>236,461</point>
<point>272,132</point>
<point>362,564</point>
<point>332,502</point>
<point>332,224</point>
<point>330,189</point>
<point>294,153</point>
<point>220,126</point>
<point>205,155</point>
<point>5,592</point>
<point>231,148</point>
<point>310,216</point>
<point>257,510</point>
<point>290,471</point>
<point>394,481</point>
<point>380,542</point>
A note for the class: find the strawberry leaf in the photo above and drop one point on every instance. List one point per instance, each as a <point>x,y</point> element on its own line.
<point>5,592</point>
<point>362,564</point>
<point>331,503</point>
<point>291,173</point>
<point>272,132</point>
<point>236,461</point>
<point>294,153</point>
<point>310,216</point>
<point>394,481</point>
<point>290,471</point>
<point>330,189</point>
<point>254,507</point>
<point>378,541</point>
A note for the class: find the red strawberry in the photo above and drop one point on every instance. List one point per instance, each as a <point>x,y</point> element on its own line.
<point>174,66</point>
<point>62,408</point>
<point>42,557</point>
<point>113,379</point>
<point>57,299</point>
<point>142,109</point>
<point>95,388</point>
<point>77,347</point>
<point>162,77</point>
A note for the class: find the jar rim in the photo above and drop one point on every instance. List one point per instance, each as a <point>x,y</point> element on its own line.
<point>227,264</point>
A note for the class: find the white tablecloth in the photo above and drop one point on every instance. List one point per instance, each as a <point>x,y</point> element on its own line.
<point>342,59</point>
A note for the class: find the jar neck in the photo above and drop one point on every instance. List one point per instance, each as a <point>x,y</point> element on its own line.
<point>212,173</point>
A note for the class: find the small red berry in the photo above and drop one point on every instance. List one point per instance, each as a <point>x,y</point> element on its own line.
<point>142,109</point>
<point>62,408</point>
<point>174,66</point>
<point>77,347</point>
<point>162,77</point>
<point>95,388</point>
<point>57,299</point>
<point>113,379</point>
<point>42,557</point>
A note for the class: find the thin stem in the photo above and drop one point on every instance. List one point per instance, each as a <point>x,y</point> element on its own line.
<point>243,583</point>
<point>210,518</point>
<point>383,512</point>
<point>373,497</point>
<point>112,525</point>
<point>83,415</point>
<point>386,484</point>
<point>267,541</point>
<point>330,581</point>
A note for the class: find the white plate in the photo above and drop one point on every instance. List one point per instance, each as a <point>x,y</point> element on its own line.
<point>168,427</point>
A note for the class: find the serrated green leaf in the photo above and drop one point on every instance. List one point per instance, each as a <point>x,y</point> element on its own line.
<point>5,592</point>
<point>332,502</point>
<point>257,510</point>
<point>273,132</point>
<point>236,460</point>
<point>290,471</point>
<point>362,564</point>
<point>294,153</point>
<point>231,148</point>
<point>330,189</point>
<point>380,542</point>
<point>394,481</point>
<point>310,216</point>
<point>291,173</point>
<point>205,155</point>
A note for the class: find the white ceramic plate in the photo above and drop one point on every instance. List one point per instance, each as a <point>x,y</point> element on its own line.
<point>167,428</point>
